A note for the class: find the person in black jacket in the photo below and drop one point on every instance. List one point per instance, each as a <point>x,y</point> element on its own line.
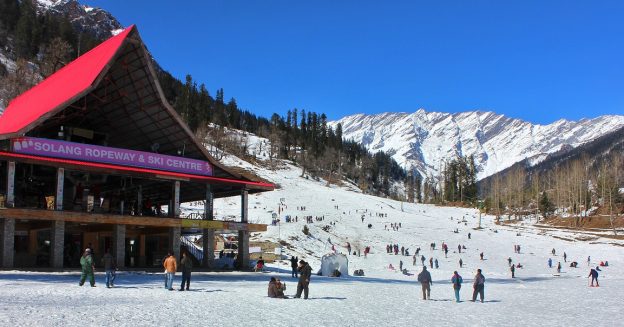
<point>425,281</point>
<point>293,265</point>
<point>304,279</point>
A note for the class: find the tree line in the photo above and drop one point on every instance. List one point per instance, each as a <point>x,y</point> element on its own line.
<point>303,137</point>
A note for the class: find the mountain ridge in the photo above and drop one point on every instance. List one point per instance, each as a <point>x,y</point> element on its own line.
<point>424,140</point>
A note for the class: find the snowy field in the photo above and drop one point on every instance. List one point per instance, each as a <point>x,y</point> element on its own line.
<point>537,296</point>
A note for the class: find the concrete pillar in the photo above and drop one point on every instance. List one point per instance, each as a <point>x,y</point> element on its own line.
<point>10,197</point>
<point>208,234</point>
<point>174,241</point>
<point>118,249</point>
<point>7,242</point>
<point>57,244</point>
<point>243,235</point>
<point>60,185</point>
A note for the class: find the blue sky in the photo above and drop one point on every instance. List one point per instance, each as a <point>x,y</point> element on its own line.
<point>535,60</point>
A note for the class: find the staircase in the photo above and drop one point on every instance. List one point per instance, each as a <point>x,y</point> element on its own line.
<point>192,248</point>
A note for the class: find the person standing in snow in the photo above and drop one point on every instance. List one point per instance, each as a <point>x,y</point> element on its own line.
<point>588,260</point>
<point>478,286</point>
<point>304,279</point>
<point>435,262</point>
<point>425,282</point>
<point>431,262</point>
<point>293,266</point>
<point>414,260</point>
<point>549,262</point>
<point>553,251</point>
<point>401,265</point>
<point>461,263</point>
<point>457,281</point>
<point>513,271</point>
<point>459,248</point>
<point>593,273</point>
<point>86,261</point>
<point>109,266</point>
<point>481,255</point>
<point>171,266</point>
<point>565,257</point>
<point>468,235</point>
<point>509,261</point>
<point>559,267</point>
<point>422,260</point>
<point>187,266</point>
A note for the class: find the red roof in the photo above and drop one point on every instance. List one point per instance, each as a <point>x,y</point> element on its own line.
<point>61,87</point>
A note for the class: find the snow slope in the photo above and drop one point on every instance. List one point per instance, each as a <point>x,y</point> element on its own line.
<point>383,296</point>
<point>424,140</point>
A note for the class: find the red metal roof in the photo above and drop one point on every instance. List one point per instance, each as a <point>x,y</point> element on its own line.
<point>61,87</point>
<point>136,170</point>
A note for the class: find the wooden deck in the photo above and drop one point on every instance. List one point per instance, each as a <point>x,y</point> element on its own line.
<point>96,218</point>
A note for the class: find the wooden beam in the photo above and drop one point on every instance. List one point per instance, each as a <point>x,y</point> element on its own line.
<point>92,218</point>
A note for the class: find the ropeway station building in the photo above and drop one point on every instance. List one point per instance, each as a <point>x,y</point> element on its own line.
<point>95,156</point>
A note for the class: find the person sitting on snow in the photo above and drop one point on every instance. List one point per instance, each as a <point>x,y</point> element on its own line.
<point>276,289</point>
<point>259,265</point>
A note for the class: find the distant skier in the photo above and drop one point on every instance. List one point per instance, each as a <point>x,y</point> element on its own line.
<point>478,286</point>
<point>425,282</point>
<point>593,273</point>
<point>457,281</point>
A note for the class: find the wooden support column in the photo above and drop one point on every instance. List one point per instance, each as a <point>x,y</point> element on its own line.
<point>208,234</point>
<point>10,197</point>
<point>176,199</point>
<point>60,185</point>
<point>57,244</point>
<point>243,235</point>
<point>139,205</point>
<point>174,241</point>
<point>7,242</point>
<point>119,245</point>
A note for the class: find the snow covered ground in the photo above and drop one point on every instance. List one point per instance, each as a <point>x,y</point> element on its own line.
<point>538,296</point>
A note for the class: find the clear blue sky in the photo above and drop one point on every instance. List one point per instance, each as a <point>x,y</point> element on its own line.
<point>535,60</point>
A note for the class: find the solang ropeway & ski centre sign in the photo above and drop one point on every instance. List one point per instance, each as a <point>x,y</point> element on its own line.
<point>102,154</point>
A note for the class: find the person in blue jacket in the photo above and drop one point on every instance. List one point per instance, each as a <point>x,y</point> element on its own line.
<point>457,281</point>
<point>594,276</point>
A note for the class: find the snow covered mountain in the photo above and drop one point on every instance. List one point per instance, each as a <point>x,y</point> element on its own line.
<point>95,21</point>
<point>425,140</point>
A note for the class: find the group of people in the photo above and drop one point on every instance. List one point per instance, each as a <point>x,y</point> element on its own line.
<point>478,286</point>
<point>304,273</point>
<point>88,268</point>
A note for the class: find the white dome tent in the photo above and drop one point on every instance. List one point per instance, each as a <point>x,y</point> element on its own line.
<point>332,262</point>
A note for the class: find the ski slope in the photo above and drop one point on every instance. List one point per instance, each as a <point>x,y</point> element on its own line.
<point>537,296</point>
